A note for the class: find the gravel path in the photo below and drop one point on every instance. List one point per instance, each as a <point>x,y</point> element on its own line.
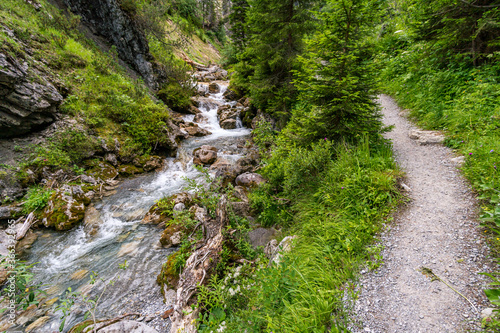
<point>438,230</point>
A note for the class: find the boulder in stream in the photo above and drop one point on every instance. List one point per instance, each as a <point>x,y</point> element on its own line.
<point>204,155</point>
<point>228,124</point>
<point>66,208</point>
<point>213,88</point>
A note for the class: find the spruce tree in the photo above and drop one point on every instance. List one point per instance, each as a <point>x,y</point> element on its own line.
<point>275,31</point>
<point>335,80</point>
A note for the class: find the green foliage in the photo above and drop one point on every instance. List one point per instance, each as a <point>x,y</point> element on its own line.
<point>334,198</point>
<point>463,27</point>
<point>66,305</point>
<point>20,287</point>
<point>492,324</point>
<point>36,199</point>
<point>275,30</point>
<point>263,135</point>
<point>336,79</point>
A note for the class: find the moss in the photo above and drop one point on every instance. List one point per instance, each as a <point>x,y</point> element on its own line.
<point>170,231</point>
<point>64,210</point>
<point>100,169</point>
<point>80,327</point>
<point>128,170</point>
<point>169,275</point>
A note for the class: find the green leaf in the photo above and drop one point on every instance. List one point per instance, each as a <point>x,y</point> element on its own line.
<point>493,295</point>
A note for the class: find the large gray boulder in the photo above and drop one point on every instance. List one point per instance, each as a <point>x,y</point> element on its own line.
<point>249,180</point>
<point>28,101</point>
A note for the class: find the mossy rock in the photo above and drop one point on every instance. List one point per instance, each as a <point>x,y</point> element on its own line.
<point>66,208</point>
<point>78,328</point>
<point>102,170</point>
<point>173,235</point>
<point>168,276</point>
<point>128,170</point>
<point>156,215</point>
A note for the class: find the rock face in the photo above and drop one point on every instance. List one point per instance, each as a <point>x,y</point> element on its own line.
<point>109,20</point>
<point>28,101</point>
<point>261,237</point>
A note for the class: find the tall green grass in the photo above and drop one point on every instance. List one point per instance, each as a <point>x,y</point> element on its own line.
<point>334,198</point>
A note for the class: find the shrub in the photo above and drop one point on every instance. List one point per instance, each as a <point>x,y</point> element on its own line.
<point>36,199</point>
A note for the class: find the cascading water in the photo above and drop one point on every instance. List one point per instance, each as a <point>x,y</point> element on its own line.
<point>66,259</point>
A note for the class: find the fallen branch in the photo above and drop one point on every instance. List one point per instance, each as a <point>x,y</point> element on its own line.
<point>26,226</point>
<point>109,322</point>
<point>428,272</point>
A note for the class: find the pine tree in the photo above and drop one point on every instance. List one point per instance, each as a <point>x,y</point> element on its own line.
<point>467,27</point>
<point>335,80</point>
<point>237,20</point>
<point>275,31</point>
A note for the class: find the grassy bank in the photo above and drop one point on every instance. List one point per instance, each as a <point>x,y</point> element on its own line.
<point>334,197</point>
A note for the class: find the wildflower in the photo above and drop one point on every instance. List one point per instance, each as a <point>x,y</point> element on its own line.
<point>491,151</point>
<point>470,153</point>
<point>342,187</point>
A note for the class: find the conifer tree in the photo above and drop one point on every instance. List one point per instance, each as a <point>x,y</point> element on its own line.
<point>335,80</point>
<point>275,32</point>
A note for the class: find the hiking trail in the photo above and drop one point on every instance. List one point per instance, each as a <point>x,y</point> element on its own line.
<point>436,229</point>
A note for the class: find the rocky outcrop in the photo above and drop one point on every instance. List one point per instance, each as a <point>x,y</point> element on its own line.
<point>28,101</point>
<point>108,19</point>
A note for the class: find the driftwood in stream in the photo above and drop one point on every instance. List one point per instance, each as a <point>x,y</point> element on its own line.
<point>197,268</point>
<point>26,226</point>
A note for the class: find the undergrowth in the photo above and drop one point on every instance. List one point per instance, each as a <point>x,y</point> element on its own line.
<point>334,197</point>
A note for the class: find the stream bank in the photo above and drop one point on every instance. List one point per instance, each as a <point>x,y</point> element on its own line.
<point>118,234</point>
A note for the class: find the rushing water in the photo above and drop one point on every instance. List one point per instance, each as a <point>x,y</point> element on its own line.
<point>66,259</point>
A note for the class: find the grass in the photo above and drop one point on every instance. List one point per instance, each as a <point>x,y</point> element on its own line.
<point>335,212</point>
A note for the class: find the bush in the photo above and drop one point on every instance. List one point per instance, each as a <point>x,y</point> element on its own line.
<point>36,199</point>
